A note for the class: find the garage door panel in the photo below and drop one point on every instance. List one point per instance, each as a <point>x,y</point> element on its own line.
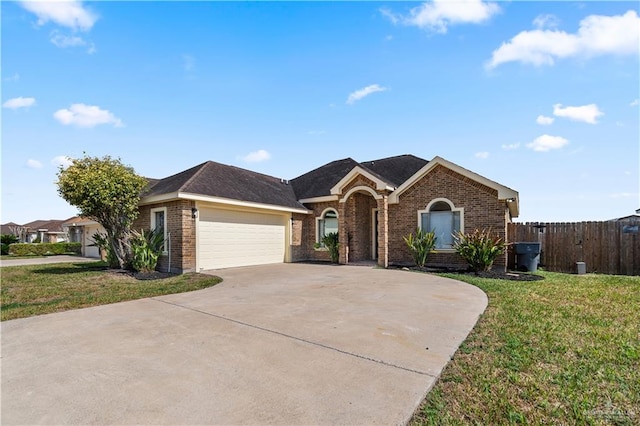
<point>234,238</point>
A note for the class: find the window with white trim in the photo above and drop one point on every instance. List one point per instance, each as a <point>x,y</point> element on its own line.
<point>444,220</point>
<point>326,224</point>
<point>158,220</point>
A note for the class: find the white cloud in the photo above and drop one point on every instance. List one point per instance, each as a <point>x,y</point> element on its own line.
<point>83,115</point>
<point>597,35</point>
<point>511,146</point>
<point>544,121</point>
<point>438,15</point>
<point>14,77</point>
<point>34,164</point>
<point>546,21</point>
<point>623,195</point>
<point>482,155</point>
<point>585,113</point>
<point>256,156</point>
<point>547,143</point>
<point>365,91</point>
<point>61,161</point>
<point>634,102</point>
<point>67,13</point>
<point>19,102</point>
<point>61,40</point>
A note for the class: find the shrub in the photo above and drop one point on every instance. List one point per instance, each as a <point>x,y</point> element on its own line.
<point>479,248</point>
<point>332,243</point>
<point>420,246</point>
<point>6,240</point>
<point>101,241</point>
<point>146,248</point>
<point>44,249</point>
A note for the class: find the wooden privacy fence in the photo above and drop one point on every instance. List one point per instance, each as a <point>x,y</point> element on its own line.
<point>611,247</point>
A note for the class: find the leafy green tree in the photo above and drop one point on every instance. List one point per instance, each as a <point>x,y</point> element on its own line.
<point>107,191</point>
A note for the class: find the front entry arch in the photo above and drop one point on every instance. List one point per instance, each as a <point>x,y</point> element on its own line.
<point>363,226</point>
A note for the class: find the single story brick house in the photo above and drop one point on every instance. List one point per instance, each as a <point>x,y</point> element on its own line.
<point>220,216</point>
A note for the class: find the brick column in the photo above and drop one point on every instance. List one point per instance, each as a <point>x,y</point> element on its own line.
<point>383,231</point>
<point>343,234</point>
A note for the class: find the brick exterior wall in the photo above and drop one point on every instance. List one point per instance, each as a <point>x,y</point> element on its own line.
<point>306,250</point>
<point>482,209</point>
<point>181,233</point>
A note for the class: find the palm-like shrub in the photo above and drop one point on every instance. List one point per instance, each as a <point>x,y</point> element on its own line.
<point>479,248</point>
<point>102,242</point>
<point>146,248</point>
<point>331,242</point>
<point>420,246</point>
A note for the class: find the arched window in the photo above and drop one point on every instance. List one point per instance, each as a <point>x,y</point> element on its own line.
<point>444,220</point>
<point>326,224</point>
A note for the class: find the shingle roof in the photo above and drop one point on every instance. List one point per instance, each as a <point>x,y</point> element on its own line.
<point>5,228</point>
<point>393,170</point>
<point>51,225</point>
<point>397,169</point>
<point>220,180</point>
<point>318,182</point>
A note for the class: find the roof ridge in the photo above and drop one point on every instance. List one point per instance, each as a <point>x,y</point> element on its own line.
<point>193,176</point>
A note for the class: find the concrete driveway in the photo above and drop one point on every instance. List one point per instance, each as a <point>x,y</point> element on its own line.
<point>277,344</point>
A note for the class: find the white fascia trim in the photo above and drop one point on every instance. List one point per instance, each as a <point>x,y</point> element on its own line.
<point>219,200</point>
<point>359,188</point>
<point>323,199</point>
<point>504,193</point>
<point>357,170</point>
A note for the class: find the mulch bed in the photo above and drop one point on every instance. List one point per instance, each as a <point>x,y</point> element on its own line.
<point>509,275</point>
<point>142,276</point>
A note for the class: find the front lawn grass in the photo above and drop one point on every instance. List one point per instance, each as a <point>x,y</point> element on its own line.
<point>564,350</point>
<point>43,289</point>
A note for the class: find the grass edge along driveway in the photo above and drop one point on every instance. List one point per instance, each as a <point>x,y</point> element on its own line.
<point>563,350</point>
<point>42,289</point>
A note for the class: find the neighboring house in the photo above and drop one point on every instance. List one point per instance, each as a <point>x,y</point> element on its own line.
<point>45,231</point>
<point>219,216</point>
<point>630,218</point>
<point>81,230</point>
<point>10,228</point>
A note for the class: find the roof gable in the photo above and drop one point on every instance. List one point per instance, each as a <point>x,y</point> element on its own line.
<point>504,193</point>
<point>326,180</point>
<point>381,183</point>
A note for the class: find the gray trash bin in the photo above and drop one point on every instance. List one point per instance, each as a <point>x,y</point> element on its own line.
<point>527,256</point>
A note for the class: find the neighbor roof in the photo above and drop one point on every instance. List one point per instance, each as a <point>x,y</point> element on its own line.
<point>51,225</point>
<point>220,180</point>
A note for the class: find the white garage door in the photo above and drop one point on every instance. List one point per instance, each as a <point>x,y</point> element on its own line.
<point>229,238</point>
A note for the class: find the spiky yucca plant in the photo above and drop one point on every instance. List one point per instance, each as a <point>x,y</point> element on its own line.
<point>331,242</point>
<point>146,248</point>
<point>479,248</point>
<point>421,245</point>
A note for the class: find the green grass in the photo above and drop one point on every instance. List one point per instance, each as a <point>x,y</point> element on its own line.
<point>564,350</point>
<point>43,289</point>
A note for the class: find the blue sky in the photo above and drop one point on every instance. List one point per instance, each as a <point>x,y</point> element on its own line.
<point>541,97</point>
